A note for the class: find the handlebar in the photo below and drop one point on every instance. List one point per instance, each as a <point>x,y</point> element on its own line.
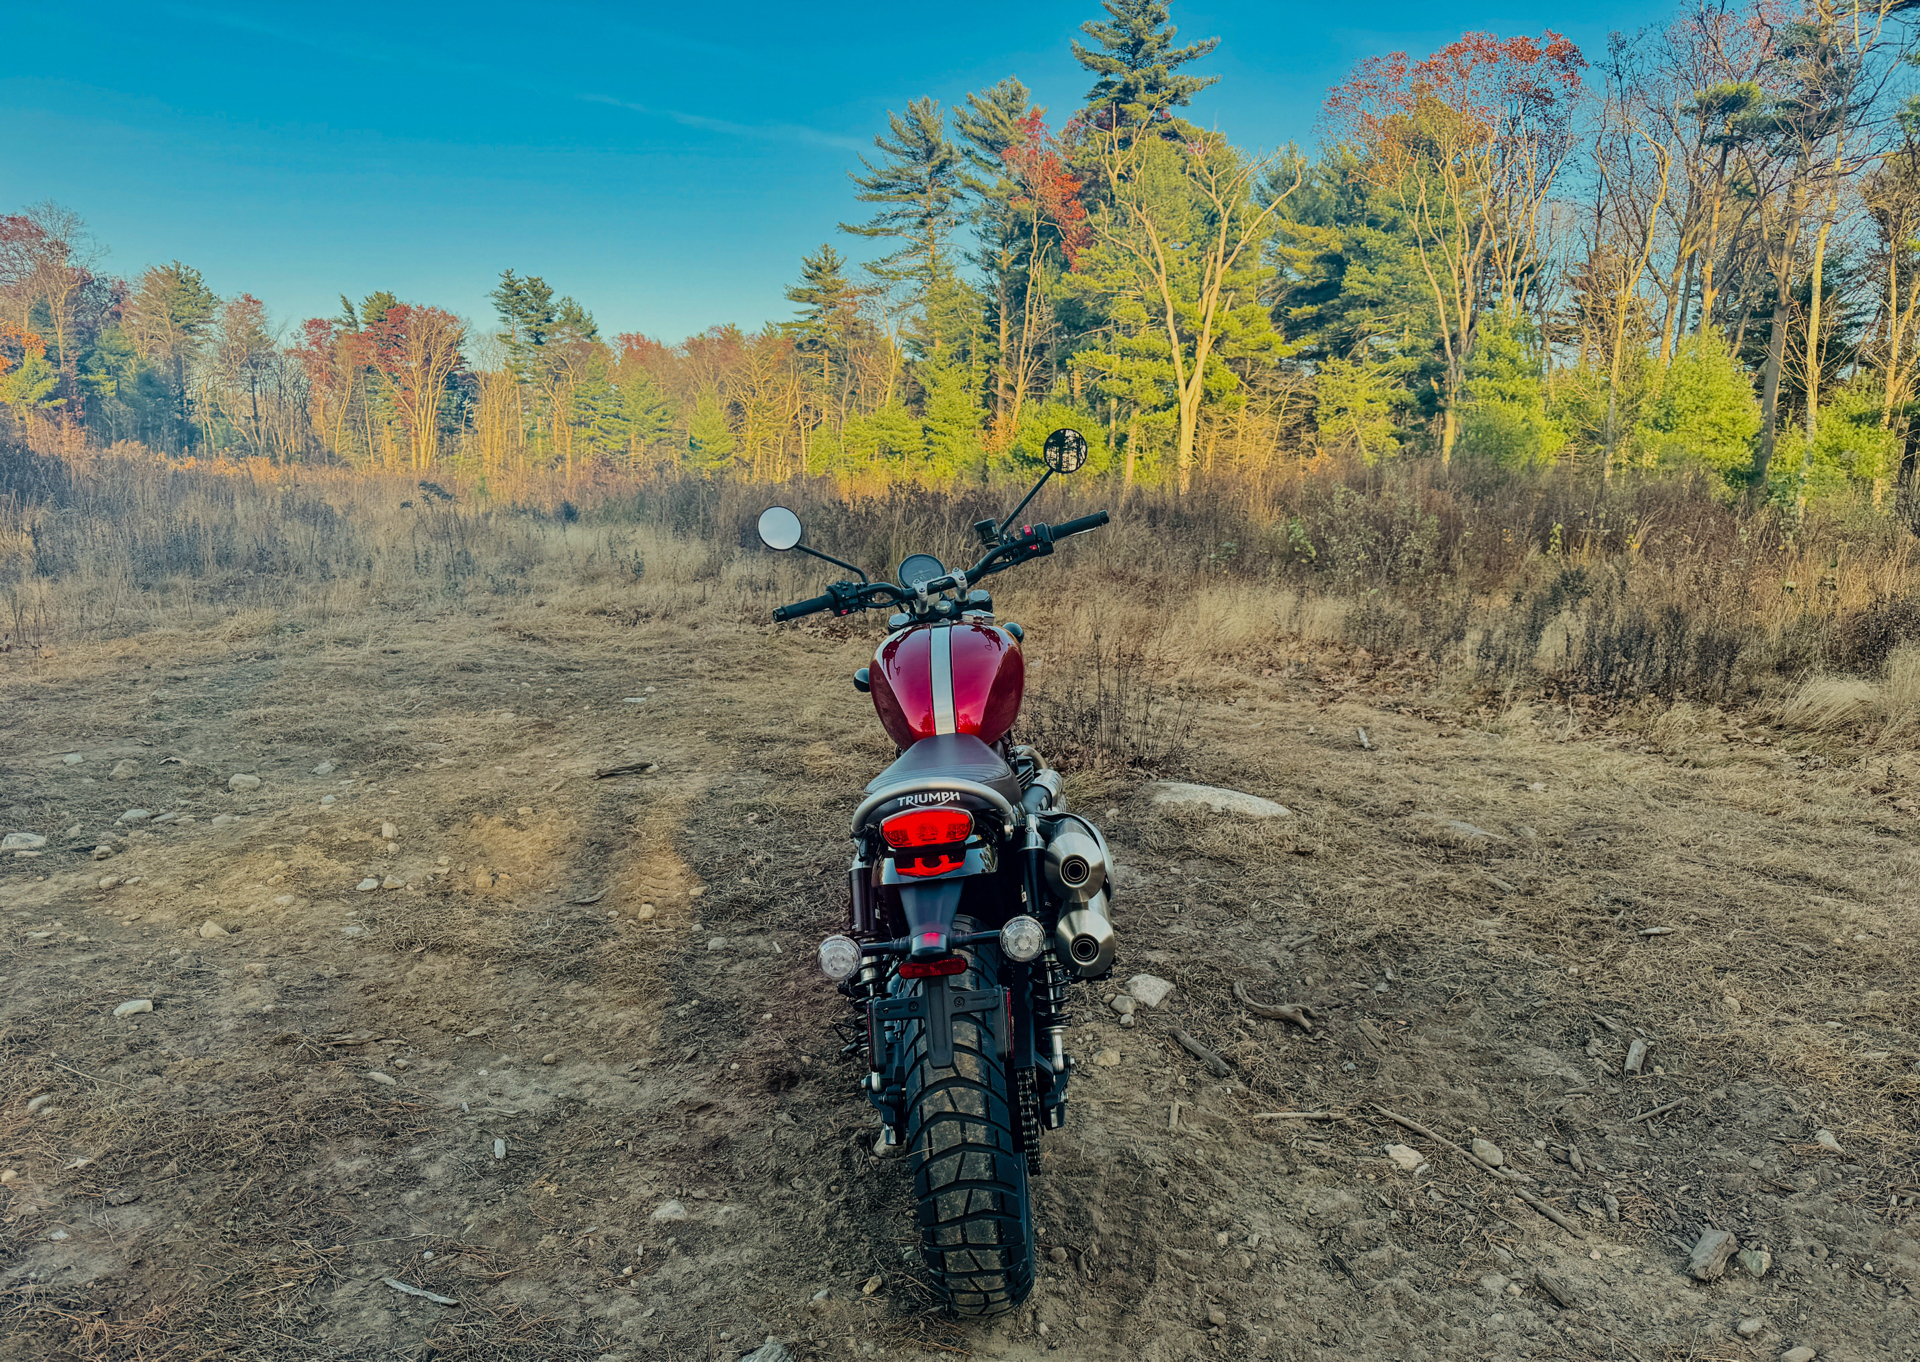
<point>1034,541</point>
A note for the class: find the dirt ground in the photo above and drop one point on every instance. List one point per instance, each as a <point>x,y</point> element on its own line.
<point>575,1075</point>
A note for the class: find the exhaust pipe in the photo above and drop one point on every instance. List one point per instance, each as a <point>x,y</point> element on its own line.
<point>1076,861</point>
<point>1084,938</point>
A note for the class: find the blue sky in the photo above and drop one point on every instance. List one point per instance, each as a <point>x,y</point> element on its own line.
<point>667,165</point>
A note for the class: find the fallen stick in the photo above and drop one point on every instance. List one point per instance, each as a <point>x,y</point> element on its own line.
<point>1297,1013</point>
<point>401,1286</point>
<point>1657,1111</point>
<point>1292,1116</point>
<point>1200,1052</point>
<point>1521,1192</point>
<point>632,768</point>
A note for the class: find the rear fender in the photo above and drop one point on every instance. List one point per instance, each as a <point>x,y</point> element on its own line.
<point>929,910</point>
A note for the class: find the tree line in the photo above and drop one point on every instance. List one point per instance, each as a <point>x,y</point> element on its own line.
<point>1698,251</point>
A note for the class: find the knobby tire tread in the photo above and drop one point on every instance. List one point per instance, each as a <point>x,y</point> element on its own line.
<point>969,1176</point>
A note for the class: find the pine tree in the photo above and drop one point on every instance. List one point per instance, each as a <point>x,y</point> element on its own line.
<point>918,186</point>
<point>829,310</point>
<point>1136,62</point>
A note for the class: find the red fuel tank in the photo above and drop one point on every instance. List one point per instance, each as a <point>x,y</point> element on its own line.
<point>948,678</point>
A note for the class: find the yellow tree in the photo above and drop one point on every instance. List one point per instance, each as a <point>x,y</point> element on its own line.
<point>418,351</point>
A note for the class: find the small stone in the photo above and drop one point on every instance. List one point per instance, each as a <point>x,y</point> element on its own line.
<point>525,811</point>
<point>388,832</point>
<point>1108,1059</point>
<point>326,799</point>
<point>499,1146</point>
<point>1148,989</point>
<point>549,1059</point>
<point>393,882</point>
<point>1408,1159</point>
<point>1058,1254</point>
<point>325,768</point>
<point>1825,1139</point>
<point>353,929</point>
<point>670,1210</point>
<point>73,759</point>
<point>75,830</point>
<point>257,969</point>
<point>718,943</point>
<point>1709,1257</point>
<point>22,841</point>
<point>224,820</point>
<point>871,1285</point>
<point>1216,1316</point>
<point>1755,1262</point>
<point>1212,797</point>
<point>243,782</point>
<point>136,1005</point>
<point>385,1080</point>
<point>368,885</point>
<point>135,816</point>
<point>1128,1020</point>
<point>109,881</point>
<point>1488,1152</point>
<point>211,930</point>
<point>1750,1326</point>
<point>399,1064</point>
<point>646,913</point>
<point>1732,1004</point>
<point>10,1176</point>
<point>283,899</point>
<point>44,1102</point>
<point>125,770</point>
<point>1800,1354</point>
<point>102,852</point>
<point>1124,1004</point>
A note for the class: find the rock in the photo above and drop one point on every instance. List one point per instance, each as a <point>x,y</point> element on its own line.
<point>1147,989</point>
<point>102,852</point>
<point>75,830</point>
<point>871,1285</point>
<point>353,929</point>
<point>483,879</point>
<point>325,768</point>
<point>393,882</point>
<point>1636,1057</point>
<point>718,943</point>
<point>326,799</point>
<point>125,770</point>
<point>1408,1159</point>
<point>135,816</point>
<point>211,930</point>
<point>257,969</point>
<point>1754,1262</point>
<point>9,1177</point>
<point>224,820</point>
<point>1824,1138</point>
<point>133,1007</point>
<point>1058,1254</point>
<point>1709,1257</point>
<point>243,782</point>
<point>1108,1059</point>
<point>499,1146</point>
<point>44,1102</point>
<point>108,881</point>
<point>368,885</point>
<point>1124,1004</point>
<point>385,1080</point>
<point>549,1059</point>
<point>73,759</point>
<point>1488,1152</point>
<point>22,841</point>
<point>1750,1326</point>
<point>669,1210</point>
<point>1127,1020</point>
<point>1216,1316</point>
<point>1800,1354</point>
<point>1179,793</point>
<point>773,1350</point>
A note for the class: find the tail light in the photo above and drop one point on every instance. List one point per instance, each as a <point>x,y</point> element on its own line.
<point>928,841</point>
<point>927,969</point>
<point>927,828</point>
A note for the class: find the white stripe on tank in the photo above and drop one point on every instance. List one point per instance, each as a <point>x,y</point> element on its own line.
<point>940,653</point>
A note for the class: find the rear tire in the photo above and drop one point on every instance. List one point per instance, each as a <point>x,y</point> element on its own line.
<point>969,1176</point>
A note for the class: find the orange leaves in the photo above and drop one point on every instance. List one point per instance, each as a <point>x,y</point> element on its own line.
<point>1052,190</point>
<point>16,343</point>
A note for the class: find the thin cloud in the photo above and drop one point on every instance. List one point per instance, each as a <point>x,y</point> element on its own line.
<point>778,132</point>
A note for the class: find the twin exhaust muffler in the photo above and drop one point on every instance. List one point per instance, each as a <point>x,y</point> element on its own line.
<point>1076,869</point>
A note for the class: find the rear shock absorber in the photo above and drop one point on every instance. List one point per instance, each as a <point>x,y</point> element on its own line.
<point>1050,987</point>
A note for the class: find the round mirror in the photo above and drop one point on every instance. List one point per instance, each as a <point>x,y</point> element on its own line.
<point>919,568</point>
<point>779,528</point>
<point>1064,451</point>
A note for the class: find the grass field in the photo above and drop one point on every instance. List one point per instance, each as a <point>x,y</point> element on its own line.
<point>1560,834</point>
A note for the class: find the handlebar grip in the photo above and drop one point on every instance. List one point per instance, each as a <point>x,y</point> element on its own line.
<point>1080,526</point>
<point>799,608</point>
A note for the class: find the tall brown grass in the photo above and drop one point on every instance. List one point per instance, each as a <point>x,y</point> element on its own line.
<point>1512,586</point>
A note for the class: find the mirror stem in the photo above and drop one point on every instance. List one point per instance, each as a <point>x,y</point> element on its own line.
<point>1023,504</point>
<point>837,562</point>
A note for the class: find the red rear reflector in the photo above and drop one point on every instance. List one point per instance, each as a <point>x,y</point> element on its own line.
<point>927,828</point>
<point>929,865</point>
<point>923,969</point>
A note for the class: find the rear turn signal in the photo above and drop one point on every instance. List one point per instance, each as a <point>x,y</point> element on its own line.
<point>1022,938</point>
<point>839,957</point>
<point>925,969</point>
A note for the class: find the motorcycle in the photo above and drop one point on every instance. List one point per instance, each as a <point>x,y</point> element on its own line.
<point>976,902</point>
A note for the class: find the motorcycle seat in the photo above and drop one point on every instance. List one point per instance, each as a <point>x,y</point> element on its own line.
<point>958,756</point>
